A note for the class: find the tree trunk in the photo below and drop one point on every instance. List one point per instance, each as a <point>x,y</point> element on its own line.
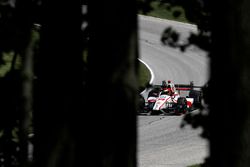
<point>58,87</point>
<point>229,93</point>
<point>112,82</point>
<point>26,110</point>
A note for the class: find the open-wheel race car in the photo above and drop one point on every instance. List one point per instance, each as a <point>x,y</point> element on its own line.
<point>172,99</point>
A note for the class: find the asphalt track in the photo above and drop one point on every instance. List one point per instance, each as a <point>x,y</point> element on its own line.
<point>161,141</point>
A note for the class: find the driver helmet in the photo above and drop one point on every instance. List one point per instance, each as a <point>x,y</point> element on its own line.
<point>169,81</point>
<point>164,83</point>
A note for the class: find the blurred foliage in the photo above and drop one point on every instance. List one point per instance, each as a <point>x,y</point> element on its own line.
<point>16,23</point>
<point>20,22</point>
<point>144,6</point>
<point>165,11</point>
<point>17,20</point>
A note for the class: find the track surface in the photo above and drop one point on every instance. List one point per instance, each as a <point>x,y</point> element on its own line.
<point>161,141</point>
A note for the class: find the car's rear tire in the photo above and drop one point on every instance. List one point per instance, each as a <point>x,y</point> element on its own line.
<point>197,96</point>
<point>181,105</point>
<point>141,104</point>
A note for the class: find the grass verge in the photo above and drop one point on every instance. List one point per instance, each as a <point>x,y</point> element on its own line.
<point>166,11</point>
<point>144,75</point>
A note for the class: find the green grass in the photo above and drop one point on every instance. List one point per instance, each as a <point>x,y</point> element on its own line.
<point>164,11</point>
<point>7,58</point>
<point>144,75</point>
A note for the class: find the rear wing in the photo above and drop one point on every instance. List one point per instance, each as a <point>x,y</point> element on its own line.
<point>183,87</point>
<point>187,87</point>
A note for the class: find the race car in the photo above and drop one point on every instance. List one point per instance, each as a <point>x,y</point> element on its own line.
<point>184,98</point>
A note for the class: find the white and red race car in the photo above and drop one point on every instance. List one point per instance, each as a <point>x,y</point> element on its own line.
<point>184,98</point>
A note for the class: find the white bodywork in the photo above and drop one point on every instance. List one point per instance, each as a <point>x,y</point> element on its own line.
<point>165,101</point>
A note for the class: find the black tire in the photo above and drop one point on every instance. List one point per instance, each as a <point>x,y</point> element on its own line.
<point>181,105</point>
<point>155,112</point>
<point>141,104</point>
<point>151,105</point>
<point>197,95</point>
<point>182,101</point>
